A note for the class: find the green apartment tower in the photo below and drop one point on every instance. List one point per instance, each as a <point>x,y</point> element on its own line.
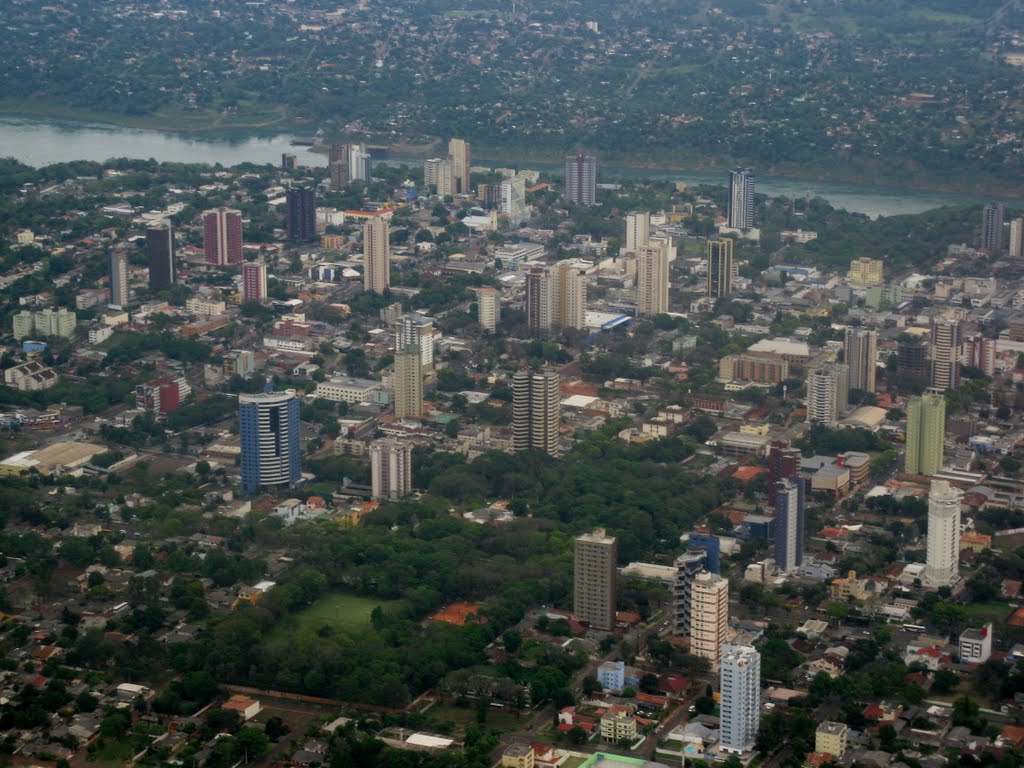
<point>926,432</point>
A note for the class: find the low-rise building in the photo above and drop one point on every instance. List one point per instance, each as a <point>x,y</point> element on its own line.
<point>831,738</point>
<point>618,724</point>
<point>976,644</point>
<point>518,756</point>
<point>345,389</point>
<point>30,377</point>
<point>612,675</point>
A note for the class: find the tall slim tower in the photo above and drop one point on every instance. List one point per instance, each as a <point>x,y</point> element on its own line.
<point>408,383</point>
<point>687,566</point>
<point>992,227</point>
<point>512,201</point>
<point>789,524</point>
<point>416,330</point>
<point>783,463</point>
<point>254,281</point>
<point>570,296</point>
<point>861,350</point>
<point>926,433</point>
<point>358,163</point>
<point>488,308</point>
<point>337,161</point>
<point>222,237</point>
<point>595,573</point>
<point>947,338</point>
<point>376,255</point>
<point>1017,239</point>
<point>943,556</point>
<point>638,231</point>
<point>720,267</point>
<point>540,301</point>
<point>581,179</point>
<point>301,217</point>
<point>458,150</point>
<point>118,279</point>
<point>741,198</point>
<point>536,411</point>
<point>740,684</point>
<point>827,393</point>
<point>390,469</point>
<point>268,425</point>
<point>160,254</point>
<point>652,282</point>
<point>709,615</point>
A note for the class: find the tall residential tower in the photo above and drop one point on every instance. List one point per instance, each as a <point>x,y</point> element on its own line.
<point>595,573</point>
<point>268,425</point>
<point>536,411</point>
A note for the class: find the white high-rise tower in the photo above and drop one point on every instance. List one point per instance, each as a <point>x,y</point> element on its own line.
<point>943,558</point>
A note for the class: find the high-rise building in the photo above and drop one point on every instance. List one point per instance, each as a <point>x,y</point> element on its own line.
<point>118,279</point>
<point>581,179</point>
<point>222,237</point>
<point>709,615</point>
<point>741,198</point>
<point>359,165</point>
<point>638,231</point>
<point>861,355</point>
<point>490,195</point>
<point>992,227</point>
<point>458,151</point>
<point>652,281</point>
<point>268,425</point>
<point>288,162</point>
<point>488,308</point>
<point>416,330</point>
<point>337,161</point>
<point>376,255</point>
<point>926,434</point>
<point>301,217</point>
<point>540,301</point>
<point>912,368</point>
<point>1017,239</point>
<point>947,338</point>
<point>408,383</point>
<point>783,463</point>
<point>513,200</point>
<point>827,393</point>
<point>789,524</point>
<point>160,254</point>
<point>740,686</point>
<point>943,556</point>
<point>710,546</point>
<point>556,297</point>
<point>571,297</point>
<point>595,573</point>
<point>687,566</point>
<point>439,175</point>
<point>536,411</point>
<point>866,272</point>
<point>254,281</point>
<point>720,267</point>
<point>980,353</point>
<point>390,469</point>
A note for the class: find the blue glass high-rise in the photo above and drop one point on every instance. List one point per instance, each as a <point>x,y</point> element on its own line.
<point>269,429</point>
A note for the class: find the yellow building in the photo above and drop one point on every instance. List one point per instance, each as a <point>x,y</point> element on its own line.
<point>851,586</point>
<point>830,738</point>
<point>332,242</point>
<point>865,272</point>
<point>518,756</point>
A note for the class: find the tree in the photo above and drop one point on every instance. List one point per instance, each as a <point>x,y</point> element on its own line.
<point>250,744</point>
<point>945,681</point>
<point>577,735</point>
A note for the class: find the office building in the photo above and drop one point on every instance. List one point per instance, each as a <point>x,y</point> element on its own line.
<point>1017,239</point>
<point>926,433</point>
<point>783,463</point>
<point>741,198</point>
<point>992,217</point>
<point>458,151</point>
<point>513,200</point>
<point>390,469</point>
<point>831,738</point>
<point>581,179</point>
<point>912,368</point>
<point>416,330</point>
<point>488,308</point>
<point>301,214</point>
<point>708,545</point>
<point>638,231</point>
<point>866,272</point>
<point>687,566</point>
<point>827,393</point>
<point>337,163</point>
<point>268,425</point>
<point>652,282</point>
<point>709,615</point>
<point>720,267</point>
<point>160,255</point>
<point>789,524</point>
<point>947,337</point>
<point>740,686</point>
<point>118,279</point>
<point>861,357</point>
<point>942,562</point>
<point>254,281</point>
<point>222,237</point>
<point>408,383</point>
<point>595,574</point>
<point>536,411</point>
<point>376,255</point>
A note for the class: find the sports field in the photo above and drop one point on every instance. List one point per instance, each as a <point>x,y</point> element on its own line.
<point>339,611</point>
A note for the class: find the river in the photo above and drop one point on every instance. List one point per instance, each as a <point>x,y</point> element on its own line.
<point>39,142</point>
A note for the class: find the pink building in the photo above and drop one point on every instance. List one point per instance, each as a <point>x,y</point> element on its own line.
<point>222,237</point>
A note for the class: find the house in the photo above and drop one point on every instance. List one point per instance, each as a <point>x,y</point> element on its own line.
<point>244,706</point>
<point>882,713</point>
<point>932,658</point>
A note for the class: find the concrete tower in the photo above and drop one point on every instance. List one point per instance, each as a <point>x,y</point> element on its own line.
<point>720,267</point>
<point>789,524</point>
<point>408,383</point>
<point>376,255</point>
<point>652,281</point>
<point>741,198</point>
<point>391,469</point>
<point>222,237</point>
<point>709,615</point>
<point>926,434</point>
<point>740,712</point>
<point>861,350</point>
<point>943,558</point>
<point>536,411</point>
<point>581,179</point>
<point>595,574</point>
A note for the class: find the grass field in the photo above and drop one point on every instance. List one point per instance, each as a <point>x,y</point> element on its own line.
<point>463,716</point>
<point>341,612</point>
<point>995,612</point>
